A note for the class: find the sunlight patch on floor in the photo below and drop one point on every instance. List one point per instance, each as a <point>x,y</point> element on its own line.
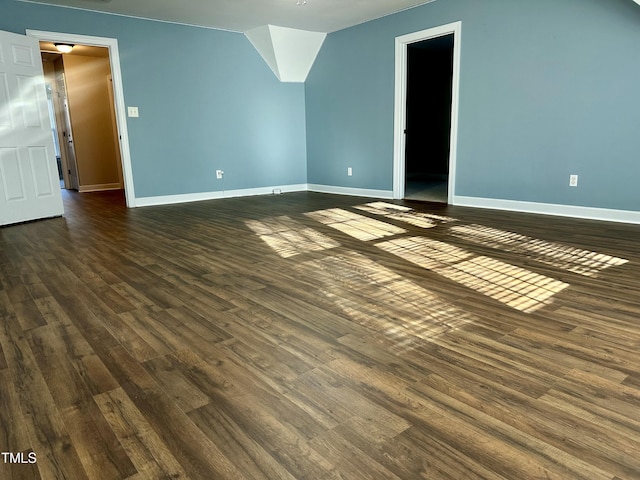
<point>405,214</point>
<point>357,226</point>
<point>514,286</point>
<point>380,299</point>
<point>568,258</point>
<point>288,237</point>
<point>429,254</point>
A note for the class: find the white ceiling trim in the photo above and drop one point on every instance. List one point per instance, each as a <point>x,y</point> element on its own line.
<point>244,15</point>
<point>137,17</point>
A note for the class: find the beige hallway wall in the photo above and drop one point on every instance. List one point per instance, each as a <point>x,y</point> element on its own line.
<point>87,80</point>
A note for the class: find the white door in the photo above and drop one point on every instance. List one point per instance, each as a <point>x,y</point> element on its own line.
<point>29,185</point>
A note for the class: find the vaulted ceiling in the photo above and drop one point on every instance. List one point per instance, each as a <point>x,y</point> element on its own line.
<point>242,15</point>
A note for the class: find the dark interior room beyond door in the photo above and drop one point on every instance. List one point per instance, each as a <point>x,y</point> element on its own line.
<point>428,121</point>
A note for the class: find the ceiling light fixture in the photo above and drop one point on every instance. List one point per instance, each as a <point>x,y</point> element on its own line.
<point>301,2</point>
<point>64,47</point>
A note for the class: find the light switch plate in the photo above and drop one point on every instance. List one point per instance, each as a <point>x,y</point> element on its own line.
<point>132,111</point>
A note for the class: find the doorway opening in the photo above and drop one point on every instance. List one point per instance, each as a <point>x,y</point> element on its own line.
<point>80,99</point>
<point>427,135</point>
<point>426,108</point>
<point>89,111</point>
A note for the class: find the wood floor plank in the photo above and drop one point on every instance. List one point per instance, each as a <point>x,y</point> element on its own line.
<point>3,360</point>
<point>21,471</point>
<point>100,315</point>
<point>51,311</point>
<point>14,437</point>
<point>560,428</point>
<point>99,450</point>
<point>258,395</point>
<point>197,454</point>
<point>405,456</point>
<point>112,299</point>
<point>150,455</point>
<point>255,461</point>
<point>279,439</point>
<point>249,338</point>
<point>508,450</point>
<point>349,460</point>
<point>28,314</point>
<point>609,394</point>
<point>586,356</point>
<point>49,437</point>
<point>56,351</point>
<point>152,333</point>
<point>289,335</point>
<point>184,394</point>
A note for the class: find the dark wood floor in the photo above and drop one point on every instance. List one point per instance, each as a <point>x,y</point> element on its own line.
<point>310,336</point>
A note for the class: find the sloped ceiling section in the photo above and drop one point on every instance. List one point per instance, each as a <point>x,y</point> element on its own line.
<point>289,52</point>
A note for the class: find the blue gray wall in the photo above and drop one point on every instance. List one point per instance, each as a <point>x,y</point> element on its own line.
<point>548,89</point>
<point>207,101</point>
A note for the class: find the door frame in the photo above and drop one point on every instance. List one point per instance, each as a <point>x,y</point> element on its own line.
<point>63,119</point>
<point>400,104</point>
<point>114,125</point>
<point>59,137</point>
<point>64,161</point>
<point>118,93</point>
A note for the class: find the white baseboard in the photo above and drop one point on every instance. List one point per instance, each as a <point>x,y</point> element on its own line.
<point>197,197</point>
<point>356,192</point>
<point>100,187</point>
<point>248,192</point>
<point>171,199</point>
<point>591,213</point>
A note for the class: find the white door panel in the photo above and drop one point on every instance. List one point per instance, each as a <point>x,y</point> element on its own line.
<point>10,168</point>
<point>5,115</point>
<point>39,163</point>
<point>29,186</point>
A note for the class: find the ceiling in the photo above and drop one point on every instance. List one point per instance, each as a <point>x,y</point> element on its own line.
<point>242,15</point>
<point>49,51</point>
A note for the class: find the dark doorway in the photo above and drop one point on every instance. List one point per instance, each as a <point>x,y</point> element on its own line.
<point>428,132</point>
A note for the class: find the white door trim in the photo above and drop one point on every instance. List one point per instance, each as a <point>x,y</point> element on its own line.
<point>118,92</point>
<point>400,104</point>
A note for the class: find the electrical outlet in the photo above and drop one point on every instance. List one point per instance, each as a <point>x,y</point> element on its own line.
<point>219,174</point>
<point>277,191</point>
<point>349,171</point>
<point>133,112</point>
<point>573,180</point>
